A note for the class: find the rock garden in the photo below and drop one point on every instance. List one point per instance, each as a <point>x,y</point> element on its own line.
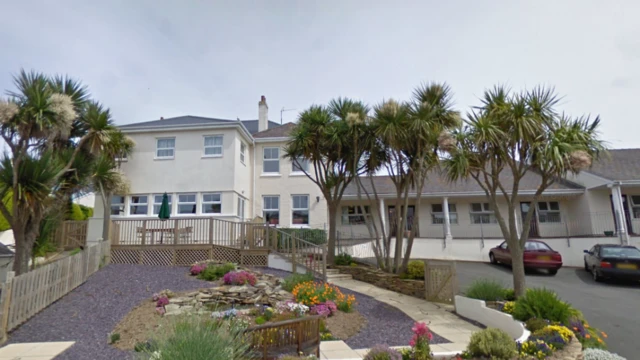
<point>241,296</point>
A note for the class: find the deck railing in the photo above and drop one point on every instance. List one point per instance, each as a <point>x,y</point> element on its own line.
<point>300,252</point>
<point>270,341</point>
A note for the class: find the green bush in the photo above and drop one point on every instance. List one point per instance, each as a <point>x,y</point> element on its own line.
<point>214,272</point>
<point>535,324</point>
<point>76,213</point>
<point>260,320</point>
<point>382,352</point>
<point>493,344</point>
<point>114,338</point>
<point>314,236</point>
<point>294,279</point>
<point>487,290</point>
<point>510,295</point>
<point>87,211</point>
<point>75,251</point>
<point>343,259</point>
<point>191,337</point>
<point>542,304</point>
<point>415,270</point>
<point>4,224</point>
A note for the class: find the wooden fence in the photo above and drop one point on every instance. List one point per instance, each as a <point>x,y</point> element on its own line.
<point>71,234</point>
<point>184,255</point>
<point>25,295</point>
<point>440,281</point>
<point>270,341</point>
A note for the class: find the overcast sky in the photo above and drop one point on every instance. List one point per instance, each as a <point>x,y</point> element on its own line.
<point>146,59</point>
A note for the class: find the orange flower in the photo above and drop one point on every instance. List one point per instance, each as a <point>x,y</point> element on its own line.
<point>600,341</point>
<point>604,335</point>
<point>587,336</point>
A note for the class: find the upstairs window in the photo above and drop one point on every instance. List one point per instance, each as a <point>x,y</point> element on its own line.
<point>211,203</point>
<point>213,146</point>
<point>300,165</point>
<point>117,205</point>
<point>165,148</point>
<point>243,150</point>
<point>437,215</point>
<point>271,160</point>
<point>481,213</point>
<point>138,205</point>
<point>549,212</point>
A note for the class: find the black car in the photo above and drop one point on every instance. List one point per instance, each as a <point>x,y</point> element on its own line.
<point>613,261</point>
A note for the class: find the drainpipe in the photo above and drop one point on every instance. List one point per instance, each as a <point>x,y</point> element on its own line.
<point>621,224</point>
<point>253,171</point>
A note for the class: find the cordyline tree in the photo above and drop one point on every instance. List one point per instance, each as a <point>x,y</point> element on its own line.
<point>409,133</point>
<point>514,134</point>
<point>49,124</point>
<point>328,137</point>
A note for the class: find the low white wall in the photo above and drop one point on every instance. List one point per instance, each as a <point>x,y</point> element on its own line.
<point>572,249</point>
<point>280,263</point>
<point>477,310</point>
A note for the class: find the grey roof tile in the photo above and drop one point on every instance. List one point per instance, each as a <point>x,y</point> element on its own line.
<point>618,164</point>
<point>189,120</point>
<point>280,131</point>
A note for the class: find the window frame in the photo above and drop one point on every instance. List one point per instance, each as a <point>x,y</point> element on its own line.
<point>173,149</point>
<point>543,215</point>
<point>270,209</point>
<point>240,210</point>
<point>294,209</point>
<point>123,205</point>
<point>205,146</point>
<point>139,204</point>
<point>485,211</point>
<point>635,207</point>
<point>355,214</point>
<point>437,217</point>
<point>159,204</point>
<point>204,202</point>
<point>299,171</point>
<point>194,202</point>
<point>265,160</point>
<point>243,151</point>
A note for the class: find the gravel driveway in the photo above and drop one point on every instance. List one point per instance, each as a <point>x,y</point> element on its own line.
<point>90,312</point>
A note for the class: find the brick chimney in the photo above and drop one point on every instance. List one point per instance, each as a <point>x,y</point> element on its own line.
<point>263,114</point>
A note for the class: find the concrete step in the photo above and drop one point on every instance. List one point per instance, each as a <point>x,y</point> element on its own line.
<point>339,277</point>
<point>333,271</point>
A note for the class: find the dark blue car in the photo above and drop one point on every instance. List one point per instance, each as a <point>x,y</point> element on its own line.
<point>609,261</point>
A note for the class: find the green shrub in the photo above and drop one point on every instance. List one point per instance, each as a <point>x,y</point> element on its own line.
<point>75,251</point>
<point>76,213</point>
<point>382,352</point>
<point>535,324</point>
<point>343,259</point>
<point>415,270</point>
<point>510,295</point>
<point>87,211</point>
<point>190,337</point>
<point>114,338</point>
<point>260,320</point>
<point>314,236</point>
<point>487,290</point>
<point>493,344</point>
<point>294,279</point>
<point>542,304</point>
<point>214,272</point>
<point>4,224</point>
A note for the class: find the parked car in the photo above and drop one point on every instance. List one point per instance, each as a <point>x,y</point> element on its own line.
<point>537,255</point>
<point>613,261</point>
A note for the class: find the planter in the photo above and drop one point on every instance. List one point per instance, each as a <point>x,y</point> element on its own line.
<point>385,280</point>
<point>477,310</point>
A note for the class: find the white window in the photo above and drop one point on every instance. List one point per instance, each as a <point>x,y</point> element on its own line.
<point>353,215</point>
<point>300,210</point>
<point>211,203</point>
<point>117,205</point>
<point>635,206</point>
<point>241,208</point>
<point>437,215</point>
<point>271,209</point>
<point>549,212</point>
<point>300,164</point>
<point>187,204</point>
<point>165,148</point>
<point>139,205</point>
<point>213,146</point>
<point>271,160</point>
<point>481,213</point>
<point>157,202</point>
<point>243,150</point>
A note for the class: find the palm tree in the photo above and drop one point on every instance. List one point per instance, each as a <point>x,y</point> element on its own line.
<point>43,116</point>
<point>510,135</point>
<point>326,137</point>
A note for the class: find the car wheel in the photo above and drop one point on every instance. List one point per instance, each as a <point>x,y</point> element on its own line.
<point>596,277</point>
<point>492,259</point>
<point>586,267</point>
<point>553,271</point>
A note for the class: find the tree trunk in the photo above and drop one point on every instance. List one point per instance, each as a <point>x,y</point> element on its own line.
<point>517,268</point>
<point>23,251</point>
<point>333,231</point>
<point>106,217</point>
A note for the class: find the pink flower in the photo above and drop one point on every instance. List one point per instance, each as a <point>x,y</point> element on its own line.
<point>160,310</point>
<point>196,269</point>
<point>162,302</point>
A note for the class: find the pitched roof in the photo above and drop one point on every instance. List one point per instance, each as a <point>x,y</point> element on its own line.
<point>436,183</point>
<point>276,132</point>
<point>618,164</point>
<point>189,120</point>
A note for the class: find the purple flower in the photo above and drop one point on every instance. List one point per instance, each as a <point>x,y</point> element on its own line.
<point>196,269</point>
<point>162,302</point>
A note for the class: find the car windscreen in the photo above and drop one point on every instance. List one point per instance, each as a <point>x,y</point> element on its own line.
<point>536,246</point>
<point>620,252</point>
